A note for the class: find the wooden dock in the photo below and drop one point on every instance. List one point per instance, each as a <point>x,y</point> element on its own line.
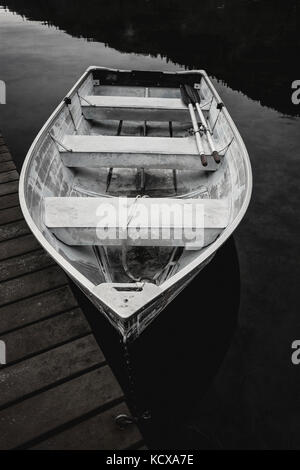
<point>56,390</point>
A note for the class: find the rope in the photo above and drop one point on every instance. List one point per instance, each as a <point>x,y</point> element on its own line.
<point>84,99</point>
<point>57,142</point>
<point>214,126</point>
<point>193,132</point>
<point>135,405</point>
<point>211,102</point>
<point>208,102</point>
<point>201,129</point>
<point>171,264</point>
<point>130,216</point>
<point>124,246</point>
<point>226,148</point>
<point>72,118</point>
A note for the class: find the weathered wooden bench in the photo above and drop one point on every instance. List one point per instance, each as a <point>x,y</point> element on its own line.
<point>134,152</point>
<point>136,222</point>
<point>134,108</point>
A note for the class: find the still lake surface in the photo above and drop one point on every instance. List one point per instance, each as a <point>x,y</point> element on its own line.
<point>206,383</point>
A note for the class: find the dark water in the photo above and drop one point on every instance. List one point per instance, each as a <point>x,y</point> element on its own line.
<point>200,395</point>
<point>174,362</point>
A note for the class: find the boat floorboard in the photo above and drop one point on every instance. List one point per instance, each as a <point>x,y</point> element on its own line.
<point>56,390</point>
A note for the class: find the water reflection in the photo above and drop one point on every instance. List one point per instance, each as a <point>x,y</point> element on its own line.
<point>39,65</point>
<point>175,360</point>
<point>251,45</point>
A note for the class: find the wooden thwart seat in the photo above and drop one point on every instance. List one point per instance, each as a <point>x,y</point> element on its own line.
<point>191,223</point>
<point>134,152</point>
<point>134,108</point>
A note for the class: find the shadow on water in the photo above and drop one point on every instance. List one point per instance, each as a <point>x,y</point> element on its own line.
<point>222,36</point>
<point>175,360</point>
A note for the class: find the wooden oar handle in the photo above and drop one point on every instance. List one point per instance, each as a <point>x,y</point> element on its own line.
<point>193,94</point>
<point>203,159</point>
<point>184,96</point>
<point>200,148</point>
<point>189,103</point>
<point>216,157</point>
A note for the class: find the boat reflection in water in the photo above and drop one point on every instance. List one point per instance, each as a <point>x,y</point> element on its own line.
<point>173,363</point>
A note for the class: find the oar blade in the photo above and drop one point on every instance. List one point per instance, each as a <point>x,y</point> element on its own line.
<point>193,95</point>
<point>197,95</point>
<point>184,96</point>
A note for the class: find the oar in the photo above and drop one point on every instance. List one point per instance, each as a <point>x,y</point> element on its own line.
<point>188,102</point>
<point>195,97</point>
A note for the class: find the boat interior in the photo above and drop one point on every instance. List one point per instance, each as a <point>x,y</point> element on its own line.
<point>129,135</point>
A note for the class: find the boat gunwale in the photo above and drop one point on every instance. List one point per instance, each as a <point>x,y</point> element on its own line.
<point>208,252</point>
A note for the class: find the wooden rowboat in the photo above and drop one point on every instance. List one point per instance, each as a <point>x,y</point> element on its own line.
<point>115,190</point>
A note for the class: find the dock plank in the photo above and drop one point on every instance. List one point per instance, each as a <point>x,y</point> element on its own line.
<point>5,149</point>
<point>8,176</point>
<point>30,419</point>
<point>23,264</point>
<point>33,309</point>
<point>56,381</point>
<point>44,335</point>
<point>13,230</point>
<point>7,166</point>
<point>4,155</point>
<point>19,246</point>
<point>31,284</point>
<point>46,369</point>
<point>9,188</point>
<point>14,214</point>
<point>97,433</point>
<point>11,200</point>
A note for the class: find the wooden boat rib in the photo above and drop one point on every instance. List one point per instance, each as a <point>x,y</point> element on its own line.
<point>118,148</point>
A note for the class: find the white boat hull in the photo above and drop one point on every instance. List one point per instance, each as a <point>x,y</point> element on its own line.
<point>129,306</point>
